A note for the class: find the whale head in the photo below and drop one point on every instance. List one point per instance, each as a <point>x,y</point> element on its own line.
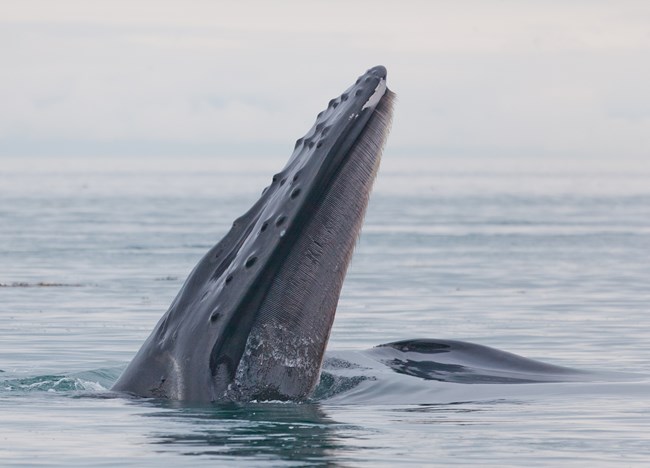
<point>252,320</point>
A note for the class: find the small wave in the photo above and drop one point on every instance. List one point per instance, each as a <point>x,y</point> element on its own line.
<point>331,385</point>
<point>93,382</point>
<point>53,384</point>
<point>166,278</point>
<point>40,284</point>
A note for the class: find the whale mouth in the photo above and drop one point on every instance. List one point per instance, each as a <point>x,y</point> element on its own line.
<point>289,308</point>
<point>253,318</point>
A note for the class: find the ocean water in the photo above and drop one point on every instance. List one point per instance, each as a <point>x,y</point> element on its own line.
<point>548,259</point>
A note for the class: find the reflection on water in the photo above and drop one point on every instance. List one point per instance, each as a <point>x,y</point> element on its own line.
<point>290,432</point>
<point>316,435</point>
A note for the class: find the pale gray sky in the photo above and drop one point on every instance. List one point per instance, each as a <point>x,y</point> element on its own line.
<point>498,78</point>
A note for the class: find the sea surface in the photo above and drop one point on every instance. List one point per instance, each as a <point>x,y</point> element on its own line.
<point>545,258</point>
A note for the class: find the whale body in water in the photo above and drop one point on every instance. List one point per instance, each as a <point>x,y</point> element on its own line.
<point>252,320</point>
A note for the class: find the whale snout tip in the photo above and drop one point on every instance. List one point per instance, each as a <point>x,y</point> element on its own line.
<point>379,71</point>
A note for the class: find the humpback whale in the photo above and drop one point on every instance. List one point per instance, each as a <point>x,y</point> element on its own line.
<point>252,320</point>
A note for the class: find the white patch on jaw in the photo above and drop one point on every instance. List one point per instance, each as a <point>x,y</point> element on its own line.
<point>179,388</point>
<point>377,95</point>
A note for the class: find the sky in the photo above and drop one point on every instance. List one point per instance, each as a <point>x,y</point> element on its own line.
<point>481,78</point>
